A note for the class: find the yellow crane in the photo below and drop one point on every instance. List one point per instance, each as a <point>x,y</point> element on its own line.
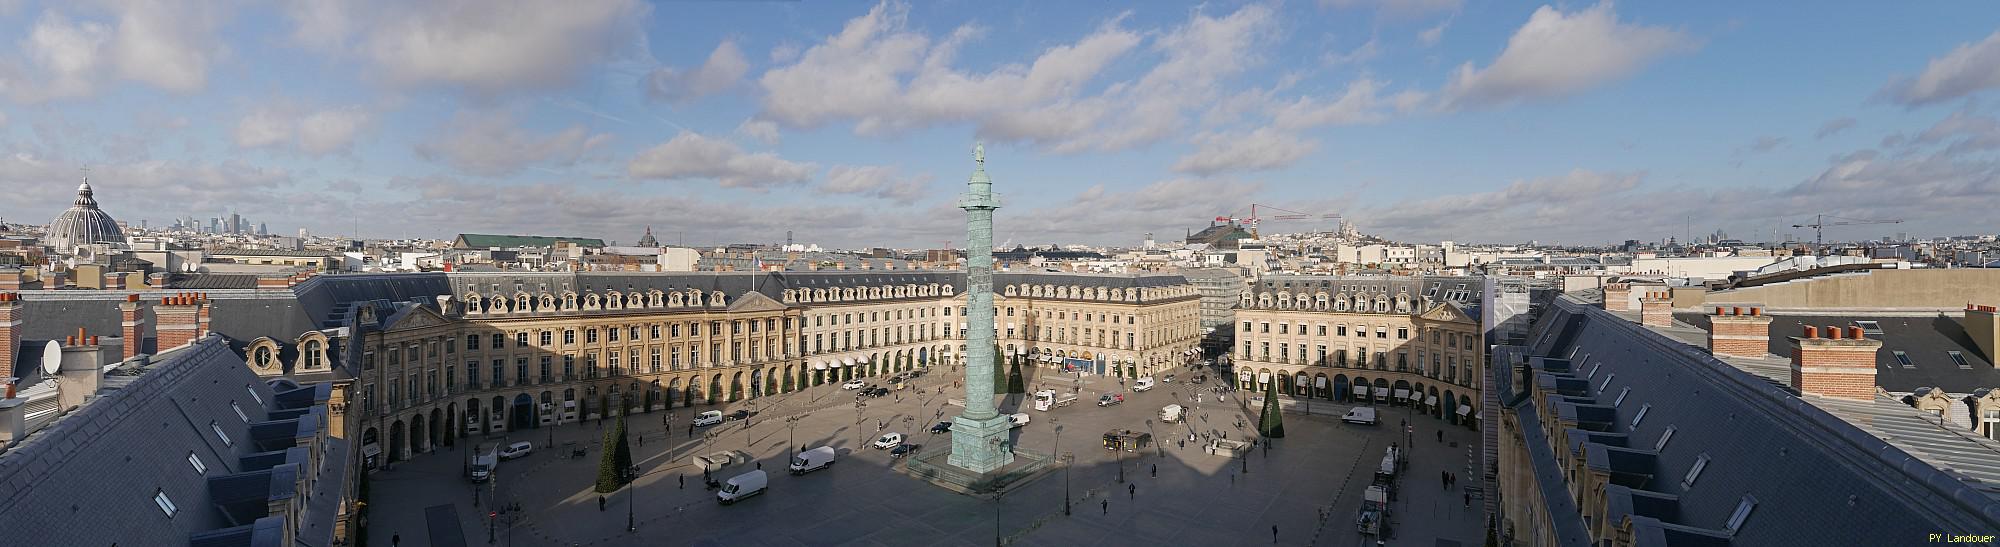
<point>1819,225</point>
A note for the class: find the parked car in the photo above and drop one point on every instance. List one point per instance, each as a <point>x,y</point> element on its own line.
<point>1018,420</point>
<point>1109,399</point>
<point>1142,384</point>
<point>889,440</point>
<point>517,450</point>
<point>876,391</point>
<point>941,427</point>
<point>708,418</point>
<point>1168,379</point>
<point>737,415</point>
<point>854,384</point>
<point>904,450</point>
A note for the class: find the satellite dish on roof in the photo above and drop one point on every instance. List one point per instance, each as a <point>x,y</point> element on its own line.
<point>52,358</point>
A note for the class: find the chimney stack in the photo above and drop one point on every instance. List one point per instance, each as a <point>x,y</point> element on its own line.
<point>1656,308</point>
<point>1618,297</point>
<point>183,318</point>
<point>114,281</point>
<point>13,417</point>
<point>1979,323</point>
<point>131,325</point>
<point>1740,330</point>
<point>1840,365</point>
<point>10,332</point>
<point>81,372</point>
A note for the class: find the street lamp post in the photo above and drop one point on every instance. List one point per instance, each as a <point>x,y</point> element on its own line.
<point>791,437</point>
<point>1058,450</point>
<point>631,485</point>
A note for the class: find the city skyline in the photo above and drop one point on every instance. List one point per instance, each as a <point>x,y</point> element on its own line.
<point>848,124</point>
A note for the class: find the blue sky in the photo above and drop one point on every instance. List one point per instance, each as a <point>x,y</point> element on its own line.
<point>850,123</point>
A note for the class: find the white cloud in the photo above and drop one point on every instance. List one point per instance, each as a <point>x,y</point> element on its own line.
<point>314,132</point>
<point>1101,215</point>
<point>67,58</point>
<point>1765,143</point>
<point>764,131</point>
<point>1361,54</point>
<point>168,44</point>
<point>1361,103</point>
<point>887,79</point>
<point>1833,126</point>
<point>1558,54</point>
<point>1968,69</point>
<point>725,66</point>
<point>484,46</point>
<point>1398,9</point>
<point>1431,36</point>
<point>489,143</point>
<point>691,155</point>
<point>878,181</point>
<point>1261,149</point>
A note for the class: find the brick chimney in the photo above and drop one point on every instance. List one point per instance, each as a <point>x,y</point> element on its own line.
<point>1840,365</point>
<point>81,372</point>
<point>182,319</point>
<point>114,281</point>
<point>1618,297</point>
<point>1656,309</point>
<point>1984,329</point>
<point>10,332</point>
<point>131,325</point>
<point>1740,331</point>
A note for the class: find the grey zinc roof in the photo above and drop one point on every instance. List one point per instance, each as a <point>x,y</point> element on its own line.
<point>143,434</point>
<point>1801,463</point>
<point>1924,339</point>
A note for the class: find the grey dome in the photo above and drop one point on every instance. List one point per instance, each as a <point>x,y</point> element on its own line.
<point>82,224</point>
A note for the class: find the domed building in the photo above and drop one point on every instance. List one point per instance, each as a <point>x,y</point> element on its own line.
<point>82,224</point>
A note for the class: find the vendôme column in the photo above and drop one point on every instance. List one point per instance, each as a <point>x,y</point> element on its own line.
<point>978,435</point>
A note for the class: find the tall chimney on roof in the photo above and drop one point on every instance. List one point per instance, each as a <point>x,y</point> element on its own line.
<point>178,321</point>
<point>1618,297</point>
<point>10,332</point>
<point>1837,366</point>
<point>81,372</point>
<point>1739,330</point>
<point>131,325</point>
<point>1656,308</point>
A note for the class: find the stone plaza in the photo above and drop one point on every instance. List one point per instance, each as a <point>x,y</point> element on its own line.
<point>1309,486</point>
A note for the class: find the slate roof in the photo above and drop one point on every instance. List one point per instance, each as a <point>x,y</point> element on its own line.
<point>1463,291</point>
<point>483,241</point>
<point>1923,339</point>
<point>1816,477</point>
<point>143,435</point>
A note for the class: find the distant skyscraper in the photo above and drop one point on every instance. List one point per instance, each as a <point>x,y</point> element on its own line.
<point>263,230</point>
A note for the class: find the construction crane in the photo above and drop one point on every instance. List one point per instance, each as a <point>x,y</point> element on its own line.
<point>1819,225</point>
<point>1253,220</point>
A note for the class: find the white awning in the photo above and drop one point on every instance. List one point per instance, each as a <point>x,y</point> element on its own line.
<point>1381,392</point>
<point>863,359</point>
<point>1263,377</point>
<point>1360,389</point>
<point>1402,394</point>
<point>1464,410</point>
<point>1320,382</point>
<point>1021,351</point>
<point>1431,400</point>
<point>371,450</point>
<point>847,361</point>
<point>819,365</point>
<point>1245,376</point>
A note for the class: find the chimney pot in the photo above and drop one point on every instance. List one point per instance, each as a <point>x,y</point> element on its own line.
<point>1811,332</point>
<point>1718,311</point>
<point>93,340</point>
<point>1755,311</point>
<point>1736,310</point>
<point>1833,332</point>
<point>1855,333</point>
<point>134,297</point>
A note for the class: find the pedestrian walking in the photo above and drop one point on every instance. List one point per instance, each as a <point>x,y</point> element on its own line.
<point>1107,506</point>
<point>760,466</point>
<point>1440,436</point>
<point>1232,477</point>
<point>1156,469</point>
<point>684,482</point>
<point>1131,491</point>
<point>395,539</point>
<point>600,502</point>
<point>1468,499</point>
<point>1274,534</point>
<point>1444,480</point>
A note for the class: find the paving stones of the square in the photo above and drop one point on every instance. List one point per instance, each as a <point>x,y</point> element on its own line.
<point>1309,485</point>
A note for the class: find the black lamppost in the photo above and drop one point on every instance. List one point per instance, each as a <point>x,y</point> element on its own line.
<point>631,485</point>
<point>1066,462</point>
<point>791,437</point>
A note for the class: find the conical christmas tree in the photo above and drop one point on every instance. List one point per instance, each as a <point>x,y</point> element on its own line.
<point>617,457</point>
<point>1015,382</point>
<point>1271,424</point>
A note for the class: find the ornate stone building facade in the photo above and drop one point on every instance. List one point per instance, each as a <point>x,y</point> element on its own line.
<point>1404,341</point>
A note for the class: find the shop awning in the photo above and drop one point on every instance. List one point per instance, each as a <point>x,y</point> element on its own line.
<point>847,361</point>
<point>1360,389</point>
<point>1381,392</point>
<point>1431,400</point>
<point>1402,394</point>
<point>371,450</point>
<point>1245,376</point>
<point>1320,382</point>
<point>1263,377</point>
<point>820,365</point>
<point>863,359</point>
<point>1464,410</point>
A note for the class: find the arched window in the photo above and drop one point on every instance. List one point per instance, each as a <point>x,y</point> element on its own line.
<point>315,355</point>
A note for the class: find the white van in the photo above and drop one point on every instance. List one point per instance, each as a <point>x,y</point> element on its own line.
<point>1171,413</point>
<point>813,460</point>
<point>1360,415</point>
<point>708,418</point>
<point>889,440</point>
<point>1018,419</point>
<point>1143,384</point>
<point>742,486</point>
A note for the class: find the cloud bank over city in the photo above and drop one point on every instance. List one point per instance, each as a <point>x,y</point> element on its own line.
<point>851,124</point>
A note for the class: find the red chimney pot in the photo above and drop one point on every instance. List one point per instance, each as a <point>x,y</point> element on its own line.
<point>1812,332</point>
<point>1855,333</point>
<point>1833,332</point>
